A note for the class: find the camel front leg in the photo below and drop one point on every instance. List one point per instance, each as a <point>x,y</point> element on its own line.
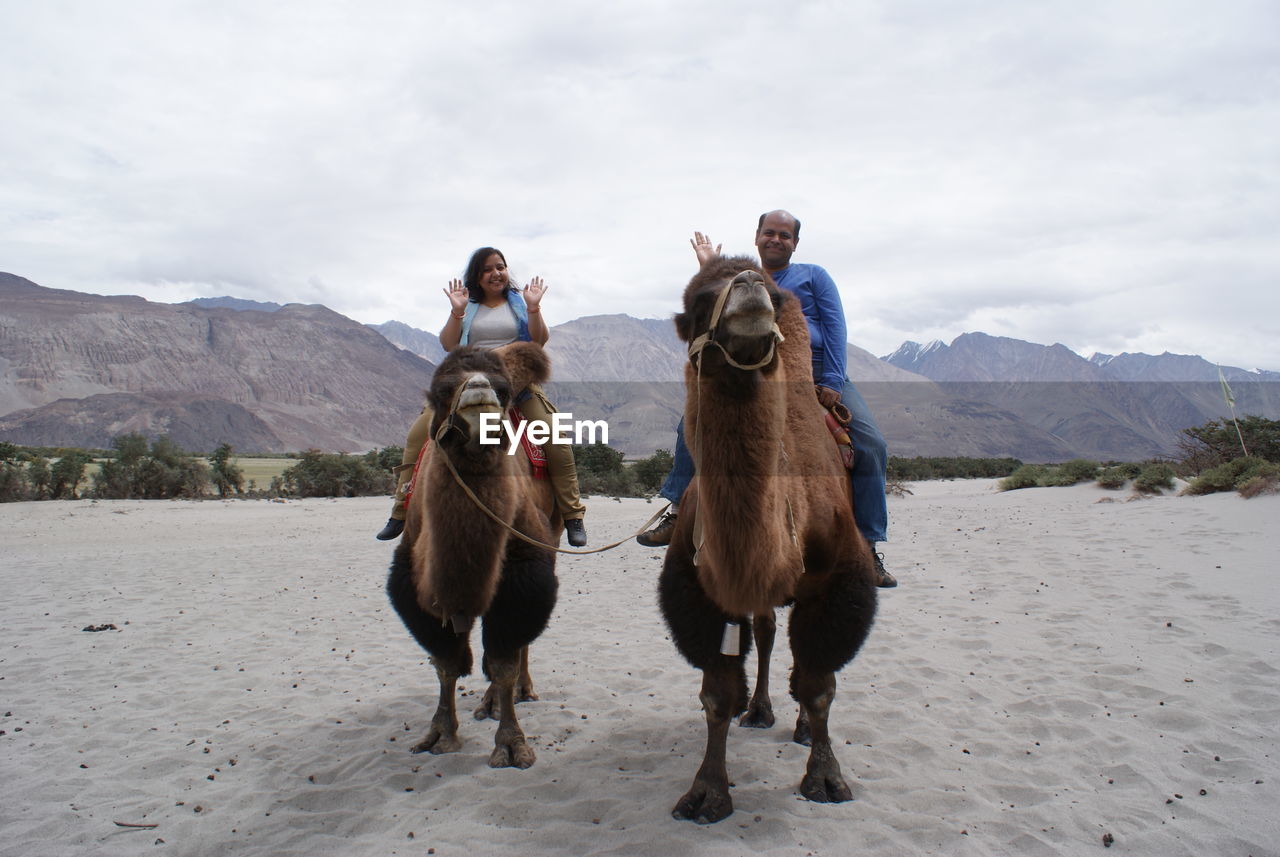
<point>489,708</point>
<point>708,800</point>
<point>823,781</point>
<point>510,749</point>
<point>443,735</point>
<point>759,713</point>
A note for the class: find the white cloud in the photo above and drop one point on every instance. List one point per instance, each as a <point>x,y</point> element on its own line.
<point>1098,174</point>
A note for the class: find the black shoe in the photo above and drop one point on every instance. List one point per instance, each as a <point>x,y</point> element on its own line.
<point>576,531</point>
<point>394,527</point>
<point>884,579</point>
<point>661,533</point>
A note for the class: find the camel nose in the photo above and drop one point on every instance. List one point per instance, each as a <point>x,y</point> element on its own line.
<point>748,278</point>
<point>476,382</point>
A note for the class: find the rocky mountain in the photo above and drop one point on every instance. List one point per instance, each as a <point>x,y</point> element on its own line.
<point>425,345</point>
<point>77,369</point>
<point>1127,407</point>
<point>228,302</point>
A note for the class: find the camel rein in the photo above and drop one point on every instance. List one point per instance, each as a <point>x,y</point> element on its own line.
<point>479,504</point>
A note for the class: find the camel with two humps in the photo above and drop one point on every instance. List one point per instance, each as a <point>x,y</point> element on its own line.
<point>455,565</point>
<point>767,522</point>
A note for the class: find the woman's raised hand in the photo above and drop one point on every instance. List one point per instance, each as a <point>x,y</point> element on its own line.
<point>702,248</point>
<point>457,295</point>
<point>533,292</point>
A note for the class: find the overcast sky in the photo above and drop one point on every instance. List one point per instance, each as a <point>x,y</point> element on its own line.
<point>1100,174</point>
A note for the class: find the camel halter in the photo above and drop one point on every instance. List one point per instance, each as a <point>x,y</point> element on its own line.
<point>696,348</point>
<point>448,425</point>
<point>699,344</point>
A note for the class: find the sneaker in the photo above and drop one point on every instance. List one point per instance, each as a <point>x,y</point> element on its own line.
<point>884,579</point>
<point>661,533</point>
<point>576,531</point>
<point>394,527</point>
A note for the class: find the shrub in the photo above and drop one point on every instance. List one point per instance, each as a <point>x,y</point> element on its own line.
<point>651,472</point>
<point>1154,478</point>
<point>1216,442</point>
<point>321,474</point>
<point>1026,476</point>
<point>1071,473</point>
<point>1232,475</point>
<point>1268,483</point>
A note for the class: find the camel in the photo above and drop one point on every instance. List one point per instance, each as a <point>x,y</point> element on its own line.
<point>768,521</point>
<point>454,564</point>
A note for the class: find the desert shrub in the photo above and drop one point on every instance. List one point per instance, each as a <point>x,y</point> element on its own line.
<point>921,468</point>
<point>1113,478</point>
<point>149,470</point>
<point>321,474</point>
<point>1070,473</point>
<point>601,470</point>
<point>1026,476</point>
<point>1216,442</point>
<point>13,482</point>
<point>1154,477</point>
<point>388,458</point>
<point>651,472</point>
<point>1232,475</point>
<point>66,474</point>
<point>227,476</point>
<point>1268,483</point>
<point>39,477</point>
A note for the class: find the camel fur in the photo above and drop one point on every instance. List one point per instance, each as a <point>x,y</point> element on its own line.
<point>455,565</point>
<point>771,509</point>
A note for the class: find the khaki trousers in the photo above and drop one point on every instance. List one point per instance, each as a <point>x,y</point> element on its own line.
<point>560,467</point>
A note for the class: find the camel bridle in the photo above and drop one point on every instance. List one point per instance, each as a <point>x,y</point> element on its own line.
<point>700,343</point>
<point>448,425</point>
<point>696,347</point>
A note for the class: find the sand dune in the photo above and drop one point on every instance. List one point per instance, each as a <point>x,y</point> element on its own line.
<point>1052,669</point>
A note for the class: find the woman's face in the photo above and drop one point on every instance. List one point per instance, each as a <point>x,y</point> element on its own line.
<point>493,277</point>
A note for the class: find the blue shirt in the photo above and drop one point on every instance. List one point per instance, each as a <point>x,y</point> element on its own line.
<point>820,303</point>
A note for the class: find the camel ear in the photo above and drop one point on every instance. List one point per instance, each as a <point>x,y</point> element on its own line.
<point>682,323</point>
<point>526,364</point>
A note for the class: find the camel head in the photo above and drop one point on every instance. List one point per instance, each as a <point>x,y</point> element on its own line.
<point>733,303</point>
<point>471,382</point>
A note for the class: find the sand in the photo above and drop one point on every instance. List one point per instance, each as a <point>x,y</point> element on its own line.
<point>1058,665</point>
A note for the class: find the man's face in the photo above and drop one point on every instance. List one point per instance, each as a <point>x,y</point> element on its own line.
<point>776,241</point>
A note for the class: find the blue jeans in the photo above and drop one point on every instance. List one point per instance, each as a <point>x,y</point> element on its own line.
<point>870,460</point>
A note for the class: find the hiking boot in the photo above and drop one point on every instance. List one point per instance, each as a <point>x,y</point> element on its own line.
<point>884,579</point>
<point>576,531</point>
<point>394,527</point>
<point>661,533</point>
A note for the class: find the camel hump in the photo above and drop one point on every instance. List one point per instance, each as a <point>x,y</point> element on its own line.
<point>526,363</point>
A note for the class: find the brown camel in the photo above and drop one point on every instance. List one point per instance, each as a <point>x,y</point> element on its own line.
<point>455,564</point>
<point>767,521</point>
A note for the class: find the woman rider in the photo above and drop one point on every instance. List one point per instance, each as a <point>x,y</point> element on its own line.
<point>487,312</point>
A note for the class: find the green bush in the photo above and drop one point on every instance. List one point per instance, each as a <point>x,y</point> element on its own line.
<point>922,468</point>
<point>1071,473</point>
<point>651,472</point>
<point>1232,475</point>
<point>1026,476</point>
<point>1154,478</point>
<point>321,474</point>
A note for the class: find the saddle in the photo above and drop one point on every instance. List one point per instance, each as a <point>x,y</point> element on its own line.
<point>837,418</point>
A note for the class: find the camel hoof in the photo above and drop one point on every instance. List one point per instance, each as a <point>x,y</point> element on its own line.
<point>825,789</point>
<point>526,694</point>
<point>703,804</point>
<point>487,710</point>
<point>801,735</point>
<point>757,716</point>
<point>437,743</point>
<point>517,754</point>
